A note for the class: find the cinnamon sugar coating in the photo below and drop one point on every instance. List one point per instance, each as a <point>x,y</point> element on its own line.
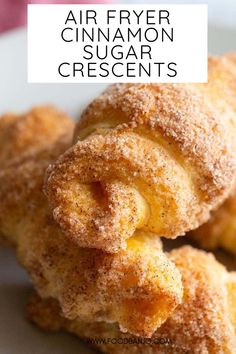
<point>153,157</point>
<point>220,230</point>
<point>22,134</point>
<point>138,288</point>
<point>205,323</point>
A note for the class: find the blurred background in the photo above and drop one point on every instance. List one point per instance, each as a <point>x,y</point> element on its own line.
<point>19,95</point>
<point>17,336</point>
<point>13,12</point>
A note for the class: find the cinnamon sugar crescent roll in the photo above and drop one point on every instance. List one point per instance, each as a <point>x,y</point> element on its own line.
<point>220,230</point>
<point>205,323</point>
<point>138,288</point>
<point>153,157</point>
<point>22,134</point>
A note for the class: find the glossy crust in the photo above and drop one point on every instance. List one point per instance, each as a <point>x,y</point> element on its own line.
<point>150,157</point>
<point>205,323</point>
<point>138,288</point>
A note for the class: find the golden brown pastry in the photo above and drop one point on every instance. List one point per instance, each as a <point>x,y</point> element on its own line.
<point>205,323</point>
<point>26,133</point>
<point>220,230</point>
<point>151,157</point>
<point>138,288</point>
<point>22,135</point>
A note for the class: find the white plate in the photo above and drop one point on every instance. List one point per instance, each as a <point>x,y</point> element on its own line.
<point>17,336</point>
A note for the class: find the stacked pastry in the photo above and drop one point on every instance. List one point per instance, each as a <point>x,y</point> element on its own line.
<point>85,214</point>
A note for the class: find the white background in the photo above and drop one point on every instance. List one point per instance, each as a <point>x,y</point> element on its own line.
<point>46,49</point>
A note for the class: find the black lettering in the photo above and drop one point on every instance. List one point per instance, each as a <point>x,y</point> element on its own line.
<point>60,67</point>
<point>99,55</point>
<point>90,69</point>
<point>109,15</point>
<point>89,35</point>
<point>78,67</point>
<point>133,35</point>
<point>171,69</point>
<point>71,17</point>
<point>146,49</point>
<point>148,34</point>
<point>113,70</point>
<point>131,52</point>
<point>150,16</point>
<point>124,15</point>
<point>91,15</point>
<point>159,68</point>
<point>118,55</point>
<point>138,15</point>
<point>104,69</point>
<point>129,69</point>
<point>86,50</point>
<point>148,72</point>
<point>164,15</point>
<point>165,33</point>
<point>63,34</point>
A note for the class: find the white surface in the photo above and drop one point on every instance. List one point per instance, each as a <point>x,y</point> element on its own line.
<point>17,336</point>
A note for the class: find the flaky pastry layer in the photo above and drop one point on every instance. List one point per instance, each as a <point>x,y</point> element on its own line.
<point>22,134</point>
<point>220,230</point>
<point>138,287</point>
<point>155,157</point>
<point>205,323</point>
